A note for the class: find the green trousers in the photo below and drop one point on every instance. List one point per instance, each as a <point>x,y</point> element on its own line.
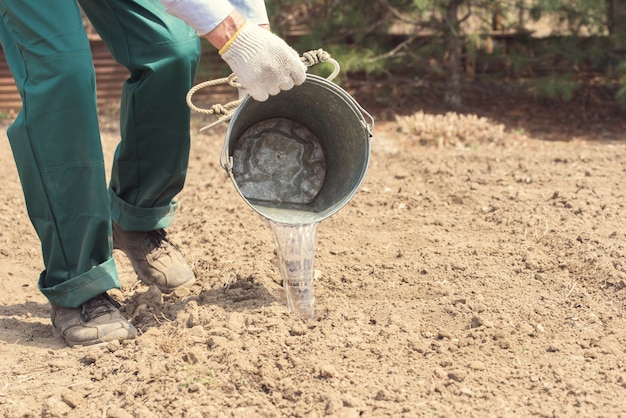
<point>55,139</point>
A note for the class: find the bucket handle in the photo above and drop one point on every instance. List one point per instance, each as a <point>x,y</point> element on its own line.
<point>226,111</point>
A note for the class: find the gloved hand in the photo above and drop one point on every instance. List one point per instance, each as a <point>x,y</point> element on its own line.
<point>263,62</point>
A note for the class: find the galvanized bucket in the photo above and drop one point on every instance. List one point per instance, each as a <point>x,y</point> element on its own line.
<point>307,148</point>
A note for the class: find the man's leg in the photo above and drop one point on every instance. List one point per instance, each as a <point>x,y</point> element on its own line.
<point>56,145</point>
<point>150,165</point>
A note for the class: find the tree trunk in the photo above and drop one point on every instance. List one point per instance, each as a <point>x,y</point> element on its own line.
<point>497,18</point>
<point>616,15</point>
<point>454,47</point>
<point>521,15</point>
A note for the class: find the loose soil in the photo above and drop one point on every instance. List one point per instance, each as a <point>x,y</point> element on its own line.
<point>482,278</point>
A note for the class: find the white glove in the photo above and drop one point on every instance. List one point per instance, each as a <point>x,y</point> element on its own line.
<point>263,62</point>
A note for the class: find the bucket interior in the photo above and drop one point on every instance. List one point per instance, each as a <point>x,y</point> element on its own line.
<point>337,125</point>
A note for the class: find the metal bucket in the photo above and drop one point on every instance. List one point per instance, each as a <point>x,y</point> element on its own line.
<point>306,150</point>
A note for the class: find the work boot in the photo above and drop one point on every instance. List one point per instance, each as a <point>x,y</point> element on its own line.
<point>96,321</point>
<point>154,258</point>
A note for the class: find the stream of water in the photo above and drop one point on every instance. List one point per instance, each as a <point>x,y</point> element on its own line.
<point>295,246</point>
<point>279,163</point>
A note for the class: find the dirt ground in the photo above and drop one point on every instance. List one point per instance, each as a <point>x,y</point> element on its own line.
<point>482,274</point>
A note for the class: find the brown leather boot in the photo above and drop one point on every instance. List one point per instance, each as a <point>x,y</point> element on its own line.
<point>96,321</point>
<point>154,258</point>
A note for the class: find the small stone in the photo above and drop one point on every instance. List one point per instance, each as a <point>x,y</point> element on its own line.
<point>417,345</point>
<point>194,387</point>
<point>466,391</point>
<point>527,329</point>
<point>457,375</point>
<point>347,413</point>
<point>383,395</point>
<point>216,341</point>
<point>476,365</point>
<point>55,408</point>
<point>194,355</point>
<point>590,354</point>
<point>504,344</point>
<point>444,334</point>
<point>89,359</point>
<point>116,412</point>
<point>71,399</point>
<point>478,321</point>
<point>327,371</point>
<point>113,346</point>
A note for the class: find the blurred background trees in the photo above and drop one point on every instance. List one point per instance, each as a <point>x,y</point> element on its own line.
<point>551,48</point>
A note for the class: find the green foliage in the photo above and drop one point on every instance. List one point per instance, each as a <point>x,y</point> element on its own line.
<point>567,52</point>
<point>555,87</point>
<point>573,14</point>
<point>355,59</point>
<point>358,34</point>
<point>353,32</point>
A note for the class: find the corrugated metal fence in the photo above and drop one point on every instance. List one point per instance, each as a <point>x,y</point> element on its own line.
<point>109,78</point>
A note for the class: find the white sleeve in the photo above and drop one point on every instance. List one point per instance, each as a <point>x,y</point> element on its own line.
<point>202,15</point>
<point>253,10</point>
<point>205,15</point>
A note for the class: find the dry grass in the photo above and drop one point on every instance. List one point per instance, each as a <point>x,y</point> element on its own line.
<point>451,129</point>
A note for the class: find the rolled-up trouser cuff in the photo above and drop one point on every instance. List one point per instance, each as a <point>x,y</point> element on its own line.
<point>74,292</point>
<point>133,218</point>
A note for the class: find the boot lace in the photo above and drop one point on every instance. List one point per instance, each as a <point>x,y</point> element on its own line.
<point>159,243</point>
<point>98,306</point>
